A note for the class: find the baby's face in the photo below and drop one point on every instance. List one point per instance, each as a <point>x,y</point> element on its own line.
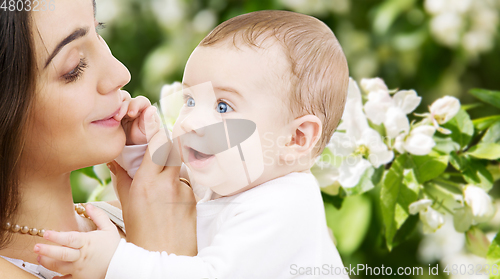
<point>233,115</point>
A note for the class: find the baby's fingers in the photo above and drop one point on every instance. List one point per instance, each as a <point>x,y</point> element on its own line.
<point>69,239</point>
<point>58,253</point>
<point>57,266</point>
<point>124,106</point>
<point>100,218</point>
<point>137,105</point>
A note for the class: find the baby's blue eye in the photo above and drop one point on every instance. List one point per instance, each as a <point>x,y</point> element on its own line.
<point>190,102</point>
<point>223,107</point>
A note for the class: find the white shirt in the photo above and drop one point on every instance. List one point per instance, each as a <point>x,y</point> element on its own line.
<point>274,230</point>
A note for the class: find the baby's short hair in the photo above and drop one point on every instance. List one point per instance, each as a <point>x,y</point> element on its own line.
<point>319,74</point>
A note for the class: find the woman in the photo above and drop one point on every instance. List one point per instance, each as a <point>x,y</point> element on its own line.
<point>58,78</point>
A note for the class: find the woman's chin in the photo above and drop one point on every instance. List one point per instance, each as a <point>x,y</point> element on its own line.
<point>109,148</point>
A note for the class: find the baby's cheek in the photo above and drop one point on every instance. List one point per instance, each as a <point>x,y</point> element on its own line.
<point>177,131</point>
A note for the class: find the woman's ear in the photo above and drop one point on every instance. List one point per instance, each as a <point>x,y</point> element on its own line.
<point>305,132</point>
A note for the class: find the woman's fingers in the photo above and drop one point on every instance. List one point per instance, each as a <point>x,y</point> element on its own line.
<point>156,156</point>
<point>149,123</point>
<point>55,265</point>
<point>100,218</point>
<point>58,253</point>
<point>121,182</point>
<point>69,276</point>
<point>69,239</point>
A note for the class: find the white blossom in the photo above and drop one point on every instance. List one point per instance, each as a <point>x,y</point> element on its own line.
<point>171,101</point>
<point>406,100</point>
<point>419,205</point>
<point>418,142</point>
<point>431,218</point>
<point>477,41</point>
<point>359,146</point>
<point>373,84</point>
<point>480,203</point>
<point>327,176</point>
<point>444,109</point>
<point>446,28</point>
<point>391,111</point>
<point>102,172</point>
<point>472,24</point>
<point>441,111</point>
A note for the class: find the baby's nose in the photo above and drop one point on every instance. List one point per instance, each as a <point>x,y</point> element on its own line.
<point>197,120</point>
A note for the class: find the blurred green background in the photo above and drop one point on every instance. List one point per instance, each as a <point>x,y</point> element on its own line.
<point>437,47</point>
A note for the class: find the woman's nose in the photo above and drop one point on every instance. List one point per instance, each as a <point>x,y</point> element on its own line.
<point>114,74</point>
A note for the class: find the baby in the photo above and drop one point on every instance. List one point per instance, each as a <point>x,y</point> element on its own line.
<point>263,94</point>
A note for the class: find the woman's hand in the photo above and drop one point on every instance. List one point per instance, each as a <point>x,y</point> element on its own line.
<point>159,211</point>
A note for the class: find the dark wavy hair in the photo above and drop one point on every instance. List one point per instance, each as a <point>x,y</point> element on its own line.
<point>17,93</point>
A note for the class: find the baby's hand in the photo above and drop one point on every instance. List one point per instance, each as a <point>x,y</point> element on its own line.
<point>137,114</point>
<point>83,255</point>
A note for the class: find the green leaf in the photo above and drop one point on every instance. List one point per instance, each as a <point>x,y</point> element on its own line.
<point>478,174</point>
<point>489,151</point>
<point>328,157</point>
<point>493,255</point>
<point>461,128</point>
<point>348,234</point>
<point>89,171</point>
<point>365,183</point>
<point>443,196</point>
<point>97,193</point>
<point>396,196</point>
<point>493,134</point>
<point>474,171</point>
<point>406,229</point>
<point>471,106</point>
<point>377,175</point>
<point>488,96</point>
<point>459,162</point>
<point>79,194</point>
<point>429,166</point>
<point>445,144</point>
<point>485,122</point>
<point>494,170</point>
<point>335,200</point>
<point>388,12</point>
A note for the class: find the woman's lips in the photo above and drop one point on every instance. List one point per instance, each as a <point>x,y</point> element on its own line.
<point>109,121</point>
<point>197,159</point>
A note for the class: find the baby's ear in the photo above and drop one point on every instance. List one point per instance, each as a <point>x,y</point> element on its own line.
<point>305,132</point>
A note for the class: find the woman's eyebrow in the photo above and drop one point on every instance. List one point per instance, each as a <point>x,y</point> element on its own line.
<point>78,33</point>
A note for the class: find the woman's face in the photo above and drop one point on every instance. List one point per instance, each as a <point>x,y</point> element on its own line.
<point>78,83</point>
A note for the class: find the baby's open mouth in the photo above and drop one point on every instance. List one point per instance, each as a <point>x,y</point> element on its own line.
<point>198,159</point>
<point>200,156</point>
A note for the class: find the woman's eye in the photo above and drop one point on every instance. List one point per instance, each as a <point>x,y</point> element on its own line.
<point>222,107</point>
<point>77,72</point>
<point>190,102</point>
